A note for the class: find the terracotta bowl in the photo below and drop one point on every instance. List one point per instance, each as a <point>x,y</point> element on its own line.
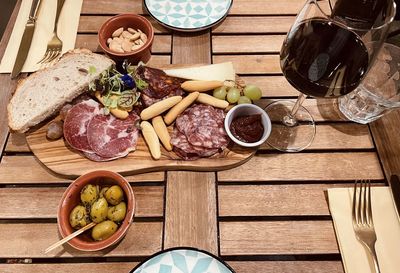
<point>127,21</point>
<point>71,198</point>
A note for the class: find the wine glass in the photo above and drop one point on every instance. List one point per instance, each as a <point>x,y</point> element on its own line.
<point>327,52</point>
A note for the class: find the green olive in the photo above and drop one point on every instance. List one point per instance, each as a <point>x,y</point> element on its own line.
<point>117,213</point>
<point>114,195</point>
<point>79,217</point>
<point>89,194</point>
<point>99,209</point>
<point>104,230</point>
<point>103,191</point>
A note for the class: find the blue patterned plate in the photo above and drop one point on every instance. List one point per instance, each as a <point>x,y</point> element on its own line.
<point>182,260</point>
<point>188,15</point>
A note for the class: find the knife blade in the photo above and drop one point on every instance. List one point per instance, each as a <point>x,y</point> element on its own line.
<point>26,40</point>
<point>394,185</point>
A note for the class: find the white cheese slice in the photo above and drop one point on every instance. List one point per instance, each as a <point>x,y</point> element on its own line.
<point>213,72</point>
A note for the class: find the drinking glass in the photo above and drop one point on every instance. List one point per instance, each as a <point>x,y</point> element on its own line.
<point>379,92</point>
<point>326,53</point>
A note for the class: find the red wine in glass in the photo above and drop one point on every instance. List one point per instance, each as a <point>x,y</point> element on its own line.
<point>322,59</point>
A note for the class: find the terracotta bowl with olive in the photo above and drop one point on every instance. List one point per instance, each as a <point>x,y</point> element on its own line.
<point>102,197</point>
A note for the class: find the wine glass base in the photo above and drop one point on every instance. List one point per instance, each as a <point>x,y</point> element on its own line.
<point>293,138</point>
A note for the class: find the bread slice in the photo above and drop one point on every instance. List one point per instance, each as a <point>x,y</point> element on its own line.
<point>44,92</point>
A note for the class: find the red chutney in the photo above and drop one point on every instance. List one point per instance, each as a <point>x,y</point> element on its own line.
<point>247,128</point>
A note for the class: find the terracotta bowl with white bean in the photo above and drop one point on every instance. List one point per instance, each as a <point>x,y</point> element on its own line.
<point>127,36</point>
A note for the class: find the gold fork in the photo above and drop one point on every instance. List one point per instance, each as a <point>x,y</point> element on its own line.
<point>363,224</point>
<point>54,46</point>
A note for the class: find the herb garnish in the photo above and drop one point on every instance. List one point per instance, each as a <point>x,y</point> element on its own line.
<point>118,90</point>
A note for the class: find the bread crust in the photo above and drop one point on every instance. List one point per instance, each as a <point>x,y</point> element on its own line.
<point>52,110</point>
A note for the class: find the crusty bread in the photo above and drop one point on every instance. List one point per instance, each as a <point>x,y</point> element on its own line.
<point>44,92</point>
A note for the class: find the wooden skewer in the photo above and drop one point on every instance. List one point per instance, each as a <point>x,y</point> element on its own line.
<point>69,237</point>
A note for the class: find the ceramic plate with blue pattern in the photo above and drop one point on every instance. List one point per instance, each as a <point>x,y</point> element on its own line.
<point>183,260</point>
<point>188,15</point>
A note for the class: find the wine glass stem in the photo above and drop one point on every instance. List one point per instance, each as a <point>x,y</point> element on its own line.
<point>290,119</point>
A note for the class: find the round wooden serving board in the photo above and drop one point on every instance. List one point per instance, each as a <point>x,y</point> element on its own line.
<point>60,158</point>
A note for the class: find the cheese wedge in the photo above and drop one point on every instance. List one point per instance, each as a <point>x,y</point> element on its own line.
<point>213,72</point>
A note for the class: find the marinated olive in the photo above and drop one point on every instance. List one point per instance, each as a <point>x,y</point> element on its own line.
<point>99,209</point>
<point>104,230</point>
<point>103,191</point>
<point>89,194</point>
<point>114,195</point>
<point>117,213</point>
<point>79,217</point>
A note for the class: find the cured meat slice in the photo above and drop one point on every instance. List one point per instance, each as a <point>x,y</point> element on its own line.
<point>160,85</point>
<point>186,150</point>
<point>199,132</point>
<point>96,157</point>
<point>208,137</point>
<point>75,124</point>
<point>110,137</point>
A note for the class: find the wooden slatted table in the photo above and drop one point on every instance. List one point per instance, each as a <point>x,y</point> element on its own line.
<point>268,215</point>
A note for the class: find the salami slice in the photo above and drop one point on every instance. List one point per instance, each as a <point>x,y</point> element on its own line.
<point>75,124</point>
<point>110,137</point>
<point>199,132</point>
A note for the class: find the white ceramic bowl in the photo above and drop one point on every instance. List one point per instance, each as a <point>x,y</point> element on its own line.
<point>246,110</point>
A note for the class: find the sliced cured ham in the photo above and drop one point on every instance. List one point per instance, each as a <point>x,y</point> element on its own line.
<point>199,132</point>
<point>100,137</point>
<point>76,122</point>
<point>110,137</point>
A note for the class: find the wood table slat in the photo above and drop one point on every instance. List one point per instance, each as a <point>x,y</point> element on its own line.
<point>386,134</point>
<point>192,48</point>
<point>159,60</point>
<point>112,7</point>
<point>320,109</point>
<point>287,266</point>
<point>252,64</point>
<point>272,86</point>
<point>306,166</point>
<point>247,44</point>
<point>142,239</point>
<point>277,238</point>
<point>274,200</point>
<point>95,267</point>
<point>7,86</point>
<point>161,43</point>
<point>39,203</point>
<point>190,211</point>
<point>92,24</point>
<point>254,24</point>
<point>26,169</point>
<point>338,136</point>
<point>265,7</point>
<point>17,143</point>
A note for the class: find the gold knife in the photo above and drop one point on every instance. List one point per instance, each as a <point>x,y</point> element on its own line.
<point>26,39</point>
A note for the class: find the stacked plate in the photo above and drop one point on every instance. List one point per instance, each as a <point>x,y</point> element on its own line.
<point>188,15</point>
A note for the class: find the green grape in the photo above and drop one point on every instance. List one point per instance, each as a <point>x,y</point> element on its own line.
<point>244,99</point>
<point>220,92</point>
<point>252,92</point>
<point>233,95</point>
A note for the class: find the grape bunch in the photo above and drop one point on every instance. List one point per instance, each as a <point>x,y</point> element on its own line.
<point>235,94</point>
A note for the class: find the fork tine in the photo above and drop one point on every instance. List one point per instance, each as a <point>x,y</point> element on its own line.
<point>54,56</point>
<point>44,57</point>
<point>354,210</point>
<point>369,212</point>
<point>365,201</point>
<point>360,204</point>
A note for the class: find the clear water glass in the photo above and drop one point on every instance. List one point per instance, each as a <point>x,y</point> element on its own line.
<point>379,92</point>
